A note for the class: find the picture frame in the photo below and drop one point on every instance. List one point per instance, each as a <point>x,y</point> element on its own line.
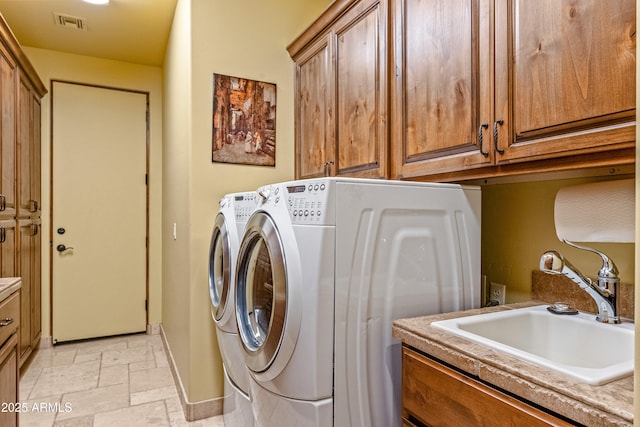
<point>244,121</point>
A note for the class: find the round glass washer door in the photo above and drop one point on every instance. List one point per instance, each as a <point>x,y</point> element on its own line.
<point>261,290</point>
<point>219,267</point>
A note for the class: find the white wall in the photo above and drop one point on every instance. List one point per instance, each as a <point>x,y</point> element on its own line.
<point>83,69</point>
<point>243,38</point>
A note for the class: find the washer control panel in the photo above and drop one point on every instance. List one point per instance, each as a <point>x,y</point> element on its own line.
<point>307,201</point>
<point>244,204</point>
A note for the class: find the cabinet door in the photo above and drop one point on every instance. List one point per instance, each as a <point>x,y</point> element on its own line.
<point>24,147</point>
<point>36,282</point>
<point>8,248</point>
<point>313,110</point>
<point>9,381</point>
<point>435,395</point>
<point>26,230</point>
<point>36,156</point>
<point>31,292</point>
<point>442,90</point>
<point>360,42</point>
<point>7,134</point>
<point>565,77</point>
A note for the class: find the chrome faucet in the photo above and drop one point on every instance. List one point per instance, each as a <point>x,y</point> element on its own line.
<point>604,292</point>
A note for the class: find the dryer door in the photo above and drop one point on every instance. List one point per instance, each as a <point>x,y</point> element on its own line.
<point>219,267</point>
<point>261,290</point>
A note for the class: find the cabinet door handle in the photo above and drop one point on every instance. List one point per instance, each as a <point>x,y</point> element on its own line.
<point>3,235</point>
<point>3,202</point>
<point>480,139</point>
<point>327,168</point>
<point>7,321</point>
<point>495,135</point>
<point>34,229</point>
<point>33,205</point>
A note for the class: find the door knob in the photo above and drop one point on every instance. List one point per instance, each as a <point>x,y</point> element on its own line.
<point>62,248</point>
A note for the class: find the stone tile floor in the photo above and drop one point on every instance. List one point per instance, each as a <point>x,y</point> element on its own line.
<point>111,382</point>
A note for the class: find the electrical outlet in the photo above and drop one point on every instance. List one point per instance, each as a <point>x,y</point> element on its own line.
<point>498,292</point>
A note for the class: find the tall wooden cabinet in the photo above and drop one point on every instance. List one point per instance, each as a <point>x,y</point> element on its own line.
<point>341,92</point>
<point>20,187</point>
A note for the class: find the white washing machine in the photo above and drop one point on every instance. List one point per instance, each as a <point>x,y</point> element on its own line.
<point>235,210</point>
<point>325,265</point>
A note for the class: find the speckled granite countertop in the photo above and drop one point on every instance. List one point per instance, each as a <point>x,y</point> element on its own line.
<point>606,405</point>
<point>9,285</point>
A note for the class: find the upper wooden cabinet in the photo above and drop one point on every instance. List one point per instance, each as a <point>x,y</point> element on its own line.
<point>29,135</point>
<point>565,77</point>
<point>7,134</point>
<point>480,87</point>
<point>341,92</point>
<point>442,88</point>
<point>314,139</point>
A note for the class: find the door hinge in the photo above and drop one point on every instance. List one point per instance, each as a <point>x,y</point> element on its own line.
<point>146,305</point>
<point>146,179</point>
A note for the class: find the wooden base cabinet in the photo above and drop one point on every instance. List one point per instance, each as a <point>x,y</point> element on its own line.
<point>9,374</point>
<point>435,395</point>
<point>9,380</point>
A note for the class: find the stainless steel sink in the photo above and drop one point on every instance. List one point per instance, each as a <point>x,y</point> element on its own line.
<point>575,345</point>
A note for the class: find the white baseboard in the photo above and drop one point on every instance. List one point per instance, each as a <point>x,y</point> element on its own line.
<point>153,329</point>
<point>46,342</point>
<point>192,410</point>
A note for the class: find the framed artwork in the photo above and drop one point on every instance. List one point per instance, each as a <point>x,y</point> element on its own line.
<point>244,121</point>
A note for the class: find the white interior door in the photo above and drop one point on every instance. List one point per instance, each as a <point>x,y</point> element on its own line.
<point>99,211</point>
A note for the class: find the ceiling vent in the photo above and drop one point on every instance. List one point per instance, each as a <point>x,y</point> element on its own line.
<point>69,21</point>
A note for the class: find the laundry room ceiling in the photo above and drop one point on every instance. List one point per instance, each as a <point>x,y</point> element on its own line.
<point>124,30</point>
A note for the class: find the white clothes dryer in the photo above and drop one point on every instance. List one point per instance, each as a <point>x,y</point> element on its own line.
<point>325,265</point>
<point>235,210</point>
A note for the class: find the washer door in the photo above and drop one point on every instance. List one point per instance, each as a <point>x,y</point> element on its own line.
<point>261,292</point>
<point>219,267</point>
